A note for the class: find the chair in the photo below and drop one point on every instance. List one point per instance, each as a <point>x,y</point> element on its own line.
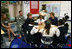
<point>47,41</point>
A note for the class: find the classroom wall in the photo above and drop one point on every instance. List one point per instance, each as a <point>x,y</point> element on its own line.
<point>26,8</point>
<point>65,8</point>
<point>14,8</point>
<point>18,8</point>
<point>11,10</point>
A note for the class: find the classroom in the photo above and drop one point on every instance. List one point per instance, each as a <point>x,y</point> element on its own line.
<point>35,24</point>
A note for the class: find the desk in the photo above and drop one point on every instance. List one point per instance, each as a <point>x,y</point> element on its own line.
<point>53,26</point>
<point>43,25</point>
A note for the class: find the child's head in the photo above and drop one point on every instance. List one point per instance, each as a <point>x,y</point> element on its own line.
<point>60,22</point>
<point>52,14</point>
<point>29,15</point>
<point>41,17</point>
<point>65,18</point>
<point>20,12</point>
<point>3,16</point>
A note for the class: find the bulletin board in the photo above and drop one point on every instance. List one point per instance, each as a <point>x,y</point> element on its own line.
<point>34,7</point>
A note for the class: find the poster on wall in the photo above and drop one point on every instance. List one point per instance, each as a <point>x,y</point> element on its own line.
<point>34,7</point>
<point>54,7</point>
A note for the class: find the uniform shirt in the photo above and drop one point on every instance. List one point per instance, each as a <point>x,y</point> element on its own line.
<point>20,20</point>
<point>52,31</point>
<point>27,24</point>
<point>34,30</point>
<point>38,20</point>
<point>54,21</point>
<point>5,22</point>
<point>29,21</point>
<point>63,30</point>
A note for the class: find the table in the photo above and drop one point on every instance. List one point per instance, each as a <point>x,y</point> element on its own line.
<point>53,26</point>
<point>43,25</point>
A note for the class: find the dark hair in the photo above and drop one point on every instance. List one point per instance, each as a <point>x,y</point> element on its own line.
<point>29,14</point>
<point>52,13</point>
<point>40,16</point>
<point>3,15</point>
<point>20,11</point>
<point>61,21</point>
<point>65,18</point>
<point>47,26</point>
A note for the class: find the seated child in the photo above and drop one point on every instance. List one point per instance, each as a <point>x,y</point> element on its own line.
<point>6,25</point>
<point>48,33</point>
<point>40,20</point>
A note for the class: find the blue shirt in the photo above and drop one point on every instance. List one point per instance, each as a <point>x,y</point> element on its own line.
<point>54,21</point>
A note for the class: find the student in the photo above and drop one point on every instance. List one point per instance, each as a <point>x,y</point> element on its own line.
<point>29,22</point>
<point>48,33</point>
<point>65,22</point>
<point>36,36</point>
<point>40,20</point>
<point>63,30</point>
<point>28,25</point>
<point>54,20</point>
<point>6,25</point>
<point>44,14</point>
<point>20,20</point>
